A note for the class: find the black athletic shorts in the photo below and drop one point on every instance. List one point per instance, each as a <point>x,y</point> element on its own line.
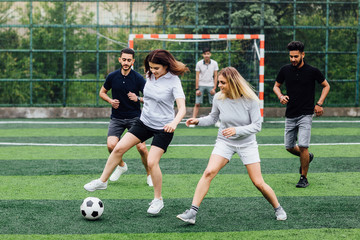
<point>161,138</point>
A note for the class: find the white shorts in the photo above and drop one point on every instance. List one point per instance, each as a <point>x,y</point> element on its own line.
<point>248,153</point>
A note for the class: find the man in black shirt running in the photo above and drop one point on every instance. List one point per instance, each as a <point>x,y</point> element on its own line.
<point>300,79</point>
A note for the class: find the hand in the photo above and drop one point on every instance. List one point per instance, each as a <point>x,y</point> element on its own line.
<point>198,93</point>
<point>318,110</point>
<point>115,103</point>
<point>132,97</point>
<point>228,132</point>
<point>170,127</point>
<point>192,121</point>
<point>212,91</point>
<point>284,99</point>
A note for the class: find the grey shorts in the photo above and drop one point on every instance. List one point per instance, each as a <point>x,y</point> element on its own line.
<point>117,126</point>
<point>203,89</point>
<point>298,129</point>
<point>248,153</point>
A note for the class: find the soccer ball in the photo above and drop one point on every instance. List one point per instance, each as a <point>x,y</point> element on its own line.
<point>92,208</point>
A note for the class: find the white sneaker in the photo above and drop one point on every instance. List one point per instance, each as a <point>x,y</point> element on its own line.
<point>96,184</point>
<point>155,206</point>
<point>280,214</point>
<point>117,173</point>
<point>149,181</point>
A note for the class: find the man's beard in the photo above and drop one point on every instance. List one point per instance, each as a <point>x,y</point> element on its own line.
<point>300,62</point>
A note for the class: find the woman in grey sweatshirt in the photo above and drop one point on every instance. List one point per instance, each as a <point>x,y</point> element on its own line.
<point>237,108</point>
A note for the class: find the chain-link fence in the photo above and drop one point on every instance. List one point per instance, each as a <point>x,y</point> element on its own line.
<point>58,53</point>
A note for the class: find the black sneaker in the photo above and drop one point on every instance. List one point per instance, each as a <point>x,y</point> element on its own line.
<point>303,182</point>
<point>311,157</point>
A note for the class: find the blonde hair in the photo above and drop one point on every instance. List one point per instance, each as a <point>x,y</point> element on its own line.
<point>238,86</point>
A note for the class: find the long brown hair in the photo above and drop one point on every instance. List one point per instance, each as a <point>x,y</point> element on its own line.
<point>239,87</point>
<point>165,58</point>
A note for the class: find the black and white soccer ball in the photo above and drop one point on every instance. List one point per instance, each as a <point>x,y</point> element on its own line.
<point>92,208</point>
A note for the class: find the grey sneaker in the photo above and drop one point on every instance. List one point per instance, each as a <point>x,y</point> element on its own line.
<point>155,206</point>
<point>188,216</point>
<point>280,214</point>
<point>149,181</point>
<point>311,157</point>
<point>117,173</point>
<point>303,182</point>
<point>96,184</point>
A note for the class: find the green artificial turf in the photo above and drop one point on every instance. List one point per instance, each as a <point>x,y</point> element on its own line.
<point>289,234</point>
<point>172,166</point>
<point>215,215</point>
<point>62,187</point>
<point>96,152</point>
<point>42,186</point>
<point>200,131</point>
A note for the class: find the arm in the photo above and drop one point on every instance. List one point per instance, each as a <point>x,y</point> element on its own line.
<point>326,88</point>
<point>170,127</point>
<point>198,93</point>
<point>192,121</point>
<point>103,94</point>
<point>284,99</point>
<point>213,116</point>
<point>213,91</point>
<point>133,97</point>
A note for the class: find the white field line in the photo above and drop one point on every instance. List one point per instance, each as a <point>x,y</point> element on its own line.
<point>172,145</point>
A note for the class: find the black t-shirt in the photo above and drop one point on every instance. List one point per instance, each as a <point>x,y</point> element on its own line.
<point>121,85</point>
<point>300,87</point>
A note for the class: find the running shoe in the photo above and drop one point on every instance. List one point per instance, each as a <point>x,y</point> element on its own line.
<point>96,184</point>
<point>188,216</point>
<point>117,173</point>
<point>280,214</point>
<point>303,182</point>
<point>149,181</point>
<point>155,206</point>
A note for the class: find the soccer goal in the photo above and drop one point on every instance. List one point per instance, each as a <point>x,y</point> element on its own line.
<point>245,52</point>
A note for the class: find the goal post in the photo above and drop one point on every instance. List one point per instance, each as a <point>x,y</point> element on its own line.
<point>260,50</point>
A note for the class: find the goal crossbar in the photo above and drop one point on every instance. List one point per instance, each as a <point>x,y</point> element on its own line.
<point>260,37</point>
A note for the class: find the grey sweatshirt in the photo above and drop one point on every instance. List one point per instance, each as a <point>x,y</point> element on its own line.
<point>242,114</point>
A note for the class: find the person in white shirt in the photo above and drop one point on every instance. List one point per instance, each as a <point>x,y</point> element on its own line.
<point>157,120</point>
<point>206,79</point>
<point>237,107</point>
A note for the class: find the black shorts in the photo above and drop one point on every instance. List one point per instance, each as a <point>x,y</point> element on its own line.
<point>161,138</point>
<point>117,126</point>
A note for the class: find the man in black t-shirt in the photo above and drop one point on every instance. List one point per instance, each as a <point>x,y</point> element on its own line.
<point>125,85</point>
<point>300,79</point>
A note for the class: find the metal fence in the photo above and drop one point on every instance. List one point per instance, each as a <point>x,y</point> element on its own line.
<point>58,53</point>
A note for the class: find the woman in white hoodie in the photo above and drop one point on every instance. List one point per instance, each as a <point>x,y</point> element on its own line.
<point>237,108</point>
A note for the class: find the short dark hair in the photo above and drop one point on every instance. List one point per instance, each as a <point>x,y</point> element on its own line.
<point>206,49</point>
<point>296,46</point>
<point>128,51</point>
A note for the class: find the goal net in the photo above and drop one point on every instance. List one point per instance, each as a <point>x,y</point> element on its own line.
<point>245,52</point>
